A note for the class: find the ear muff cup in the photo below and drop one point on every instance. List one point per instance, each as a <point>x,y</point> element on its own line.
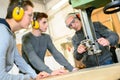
<point>35,24</point>
<point>18,13</point>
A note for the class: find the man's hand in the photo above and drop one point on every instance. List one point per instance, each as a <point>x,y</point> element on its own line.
<point>75,69</point>
<point>81,48</point>
<point>42,75</point>
<point>104,42</point>
<point>59,72</point>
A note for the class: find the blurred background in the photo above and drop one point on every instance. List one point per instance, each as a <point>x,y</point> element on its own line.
<point>60,34</point>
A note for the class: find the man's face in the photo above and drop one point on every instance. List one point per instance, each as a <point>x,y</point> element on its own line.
<point>73,23</point>
<point>43,24</point>
<point>27,18</point>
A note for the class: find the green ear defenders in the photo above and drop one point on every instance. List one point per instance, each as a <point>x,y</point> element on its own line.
<point>18,11</point>
<point>35,23</point>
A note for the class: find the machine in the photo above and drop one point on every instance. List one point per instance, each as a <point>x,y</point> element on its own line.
<point>112,7</point>
<point>86,7</point>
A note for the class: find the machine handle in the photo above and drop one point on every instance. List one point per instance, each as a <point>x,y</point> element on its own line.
<point>114,4</point>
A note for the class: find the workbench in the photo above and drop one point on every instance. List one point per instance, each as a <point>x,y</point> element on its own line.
<point>107,72</point>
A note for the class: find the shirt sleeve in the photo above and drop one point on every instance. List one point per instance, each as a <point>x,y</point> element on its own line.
<point>58,56</point>
<point>75,43</point>
<point>111,36</point>
<point>23,66</point>
<point>4,44</point>
<point>35,61</point>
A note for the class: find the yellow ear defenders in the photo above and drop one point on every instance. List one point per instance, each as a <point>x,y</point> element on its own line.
<point>18,11</point>
<point>35,23</point>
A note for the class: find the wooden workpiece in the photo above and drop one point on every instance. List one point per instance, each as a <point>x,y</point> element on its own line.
<point>108,72</point>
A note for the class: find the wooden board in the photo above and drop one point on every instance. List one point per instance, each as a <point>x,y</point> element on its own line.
<point>108,72</point>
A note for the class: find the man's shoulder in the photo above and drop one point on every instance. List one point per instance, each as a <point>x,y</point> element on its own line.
<point>26,36</point>
<point>3,27</point>
<point>96,23</point>
<point>74,37</point>
<point>45,35</point>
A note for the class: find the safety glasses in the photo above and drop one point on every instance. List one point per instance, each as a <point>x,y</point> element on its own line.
<point>70,24</point>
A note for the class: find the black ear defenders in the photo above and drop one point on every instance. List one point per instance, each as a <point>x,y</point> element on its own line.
<point>35,23</point>
<point>77,15</point>
<point>18,11</point>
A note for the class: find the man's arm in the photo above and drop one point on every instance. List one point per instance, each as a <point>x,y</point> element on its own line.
<point>33,57</point>
<point>58,56</point>
<point>76,43</point>
<point>5,61</point>
<point>23,66</point>
<point>111,36</point>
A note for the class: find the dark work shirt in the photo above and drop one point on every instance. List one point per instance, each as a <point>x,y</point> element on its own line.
<point>100,31</point>
<point>34,50</point>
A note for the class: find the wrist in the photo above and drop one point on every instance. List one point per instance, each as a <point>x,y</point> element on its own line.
<point>75,69</point>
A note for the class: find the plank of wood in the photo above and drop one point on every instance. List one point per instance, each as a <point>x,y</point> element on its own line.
<point>108,72</point>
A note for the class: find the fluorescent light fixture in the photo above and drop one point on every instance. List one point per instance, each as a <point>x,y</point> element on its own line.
<point>60,3</point>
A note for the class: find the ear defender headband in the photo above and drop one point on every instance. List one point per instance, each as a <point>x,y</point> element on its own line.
<point>18,11</point>
<point>35,23</point>
<point>78,15</point>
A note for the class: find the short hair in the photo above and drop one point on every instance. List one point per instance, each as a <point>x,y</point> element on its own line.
<point>14,3</point>
<point>40,15</point>
<point>76,14</point>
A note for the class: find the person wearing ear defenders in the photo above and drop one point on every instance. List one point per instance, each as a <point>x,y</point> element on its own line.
<point>105,38</point>
<point>36,43</point>
<point>19,16</point>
